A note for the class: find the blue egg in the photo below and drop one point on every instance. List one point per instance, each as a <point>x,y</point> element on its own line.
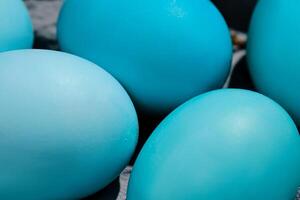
<point>225,144</point>
<point>67,127</point>
<point>16,30</point>
<point>163,51</point>
<point>274,52</point>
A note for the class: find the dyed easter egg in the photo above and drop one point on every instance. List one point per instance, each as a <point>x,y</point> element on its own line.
<point>163,51</point>
<point>274,51</point>
<point>67,127</point>
<point>226,144</point>
<point>16,30</point>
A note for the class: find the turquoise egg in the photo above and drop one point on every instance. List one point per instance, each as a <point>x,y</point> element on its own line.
<point>16,30</point>
<point>67,127</point>
<point>162,51</point>
<point>274,52</point>
<point>226,144</point>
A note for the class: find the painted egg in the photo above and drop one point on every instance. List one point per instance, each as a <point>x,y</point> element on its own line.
<point>163,51</point>
<point>274,52</point>
<point>225,144</point>
<point>16,30</point>
<point>67,127</point>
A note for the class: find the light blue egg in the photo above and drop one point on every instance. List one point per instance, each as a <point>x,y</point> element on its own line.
<point>163,51</point>
<point>226,144</point>
<point>67,127</point>
<point>274,52</point>
<point>16,30</point>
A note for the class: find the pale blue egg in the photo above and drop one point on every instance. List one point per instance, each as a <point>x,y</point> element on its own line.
<point>274,52</point>
<point>163,51</point>
<point>67,127</point>
<point>226,144</point>
<point>16,30</point>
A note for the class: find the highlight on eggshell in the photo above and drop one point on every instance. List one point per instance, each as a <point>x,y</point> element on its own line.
<point>224,144</point>
<point>67,127</point>
<point>163,52</point>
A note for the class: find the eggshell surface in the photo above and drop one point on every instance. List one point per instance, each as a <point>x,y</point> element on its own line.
<point>16,31</point>
<point>225,144</point>
<point>274,52</point>
<point>163,51</point>
<point>67,127</point>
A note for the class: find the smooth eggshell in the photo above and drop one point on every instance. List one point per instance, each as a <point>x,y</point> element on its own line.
<point>16,30</point>
<point>163,51</point>
<point>274,52</point>
<point>226,144</point>
<point>67,127</point>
